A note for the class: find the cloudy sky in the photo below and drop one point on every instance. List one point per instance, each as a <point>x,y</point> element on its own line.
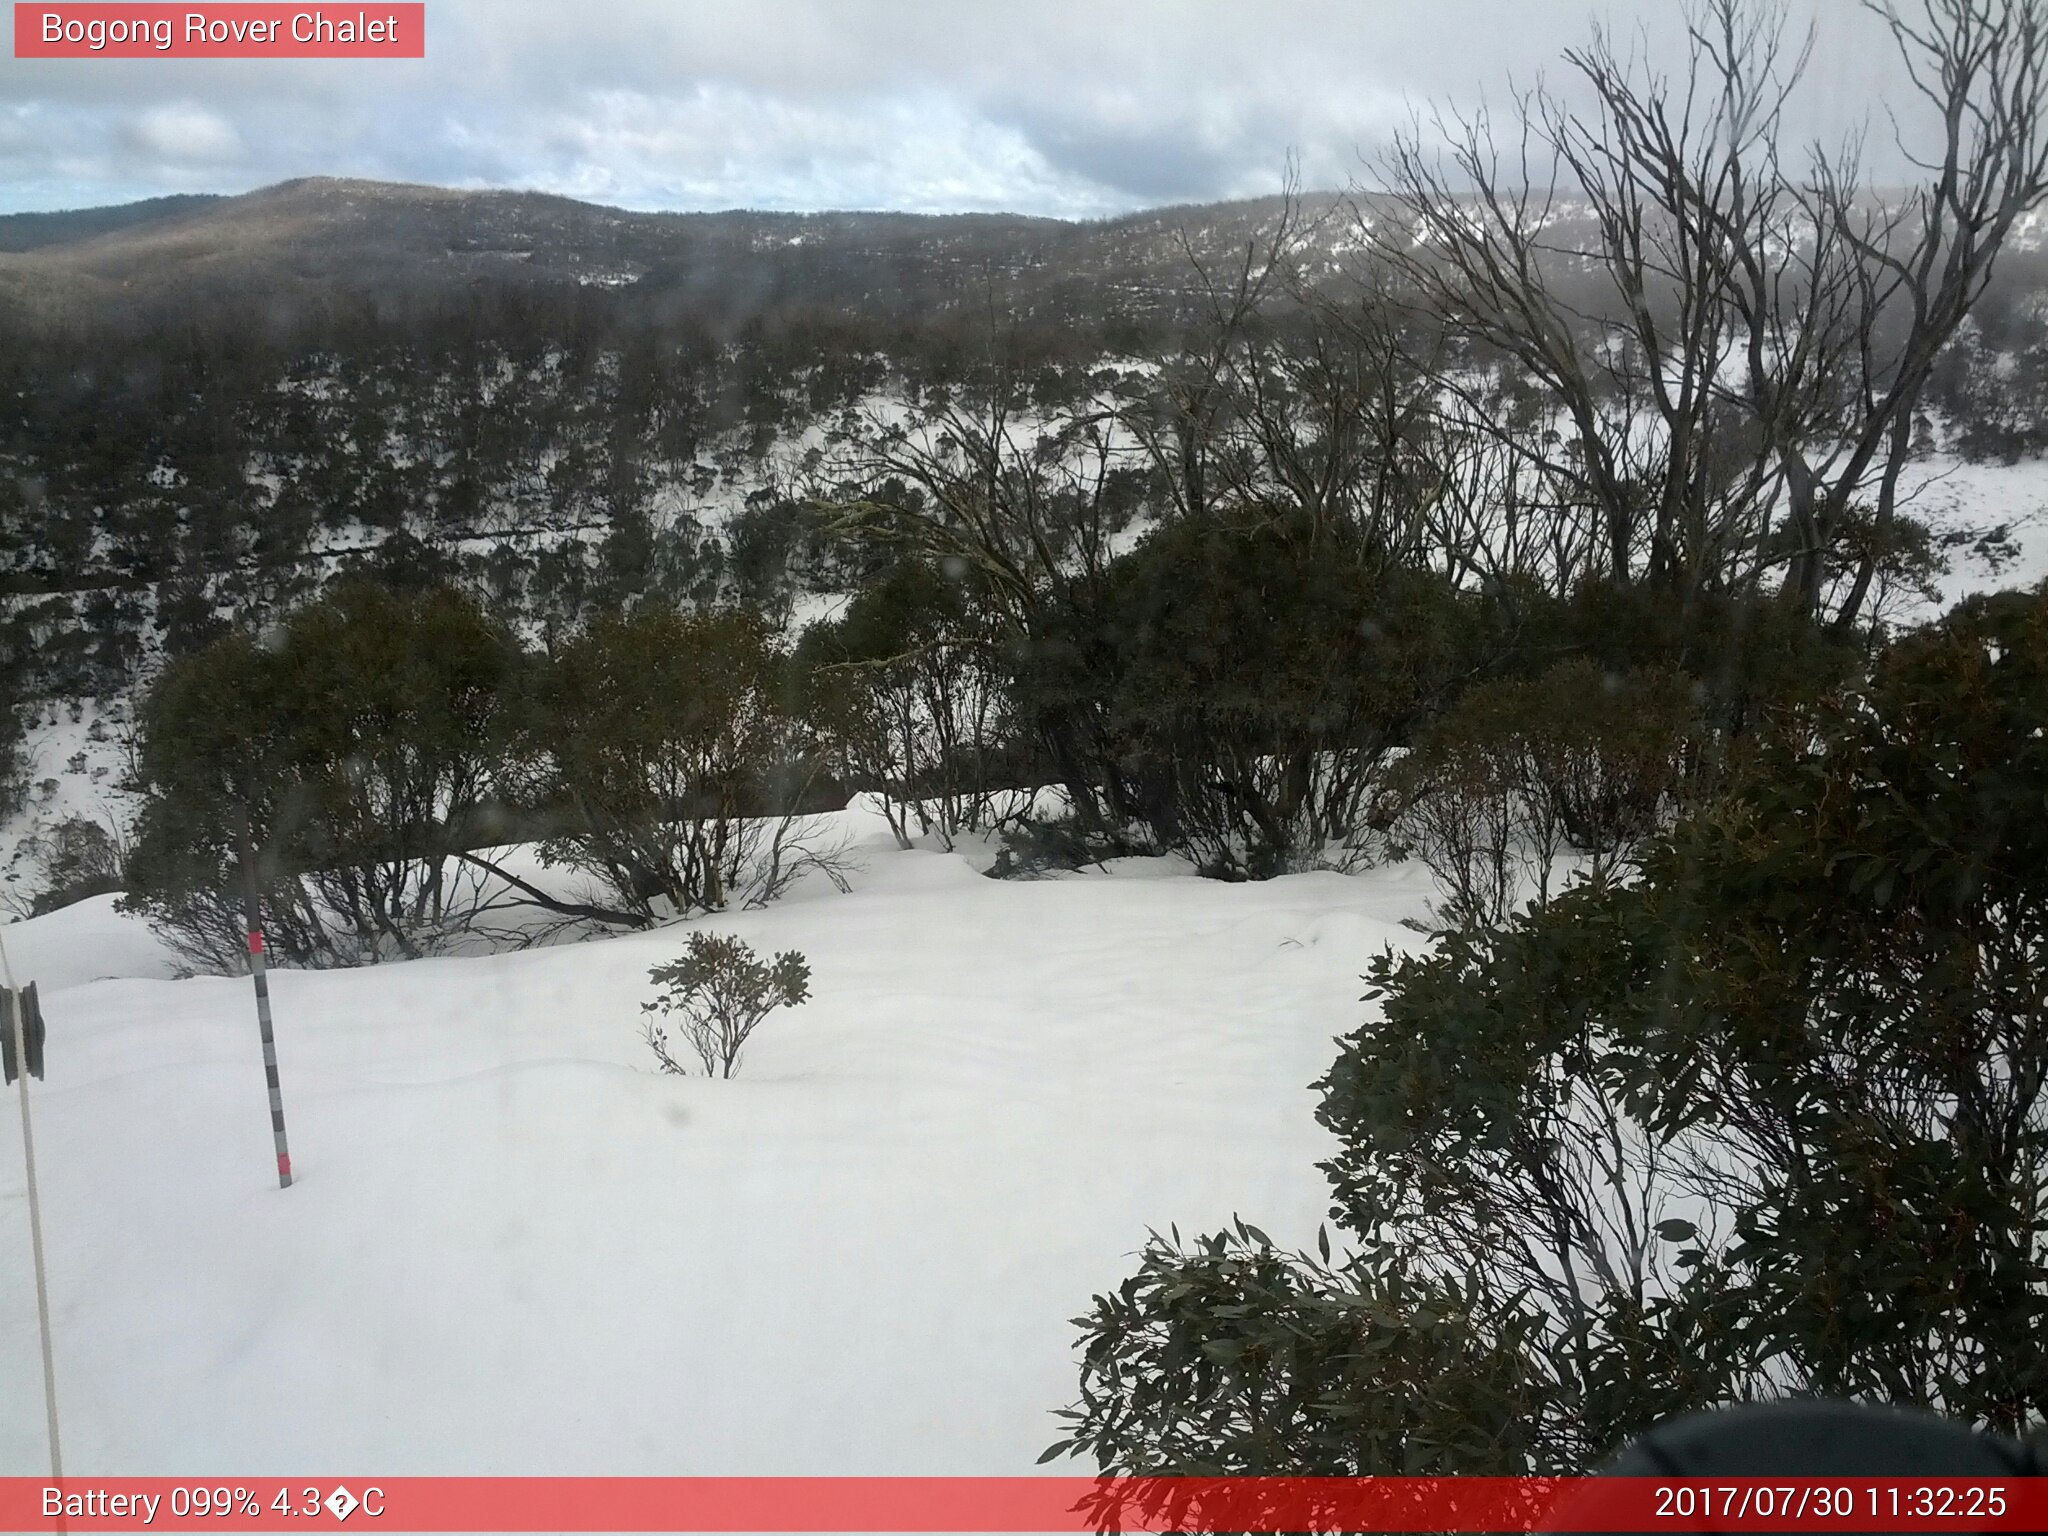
<point>1070,109</point>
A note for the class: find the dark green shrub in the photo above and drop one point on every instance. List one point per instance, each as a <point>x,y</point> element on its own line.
<point>1771,1117</point>
<point>350,763</point>
<point>1248,683</point>
<point>1754,658</point>
<point>77,858</point>
<point>670,751</point>
<point>1519,771</point>
<point>911,685</point>
<point>1226,1357</point>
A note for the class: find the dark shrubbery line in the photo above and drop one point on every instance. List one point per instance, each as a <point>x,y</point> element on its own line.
<point>364,762</point>
<point>1250,692</point>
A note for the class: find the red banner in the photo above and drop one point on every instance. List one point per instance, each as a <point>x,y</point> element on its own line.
<point>213,31</point>
<point>1015,1504</point>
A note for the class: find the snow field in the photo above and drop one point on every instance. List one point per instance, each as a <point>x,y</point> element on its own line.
<point>514,1248</point>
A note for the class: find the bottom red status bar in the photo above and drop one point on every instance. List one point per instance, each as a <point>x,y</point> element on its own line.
<point>1017,1504</point>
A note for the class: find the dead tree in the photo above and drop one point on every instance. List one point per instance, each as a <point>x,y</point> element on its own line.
<point>1913,266</point>
<point>1730,351</point>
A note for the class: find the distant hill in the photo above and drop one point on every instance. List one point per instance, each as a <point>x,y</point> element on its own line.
<point>302,239</point>
<point>319,245</point>
<point>33,231</point>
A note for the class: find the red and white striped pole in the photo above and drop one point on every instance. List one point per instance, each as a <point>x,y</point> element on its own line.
<point>259,973</point>
<point>262,979</point>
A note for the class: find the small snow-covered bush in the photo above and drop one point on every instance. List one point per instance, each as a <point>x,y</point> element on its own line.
<point>720,991</point>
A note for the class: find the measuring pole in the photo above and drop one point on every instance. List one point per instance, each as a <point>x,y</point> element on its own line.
<point>260,975</point>
<point>35,1216</point>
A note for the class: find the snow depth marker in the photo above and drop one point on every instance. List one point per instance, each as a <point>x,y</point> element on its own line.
<point>17,1028</point>
<point>261,977</point>
<point>259,973</point>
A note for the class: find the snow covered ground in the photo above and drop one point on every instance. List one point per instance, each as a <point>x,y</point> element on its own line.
<point>75,769</point>
<point>1950,493</point>
<point>514,1248</point>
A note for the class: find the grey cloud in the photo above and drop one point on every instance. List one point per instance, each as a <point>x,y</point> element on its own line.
<point>185,133</point>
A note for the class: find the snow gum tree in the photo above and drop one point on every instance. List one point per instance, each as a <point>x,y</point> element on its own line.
<point>669,756</point>
<point>345,768</point>
<point>1733,358</point>
<point>912,684</point>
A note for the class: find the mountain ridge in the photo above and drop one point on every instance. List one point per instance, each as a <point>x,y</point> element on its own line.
<point>316,234</point>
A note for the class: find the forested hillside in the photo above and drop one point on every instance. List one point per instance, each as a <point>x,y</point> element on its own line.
<point>214,407</point>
